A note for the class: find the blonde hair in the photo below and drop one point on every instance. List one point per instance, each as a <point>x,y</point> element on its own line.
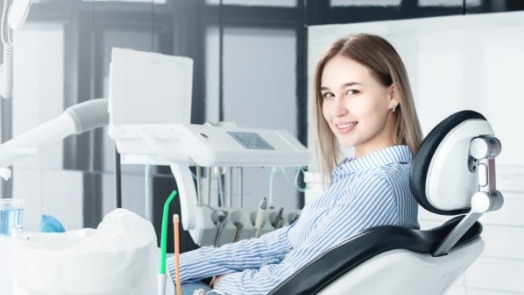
<point>385,64</point>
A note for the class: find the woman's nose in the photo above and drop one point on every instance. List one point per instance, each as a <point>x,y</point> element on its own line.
<point>340,109</point>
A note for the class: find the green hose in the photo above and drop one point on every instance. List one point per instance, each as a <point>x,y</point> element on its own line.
<point>163,238</point>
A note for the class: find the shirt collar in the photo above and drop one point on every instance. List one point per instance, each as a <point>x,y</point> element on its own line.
<point>380,158</point>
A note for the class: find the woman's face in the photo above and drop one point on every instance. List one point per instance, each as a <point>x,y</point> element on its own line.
<point>356,106</point>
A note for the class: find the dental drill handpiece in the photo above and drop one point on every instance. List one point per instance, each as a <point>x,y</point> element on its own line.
<point>277,223</point>
<point>239,230</point>
<point>221,217</point>
<point>260,216</point>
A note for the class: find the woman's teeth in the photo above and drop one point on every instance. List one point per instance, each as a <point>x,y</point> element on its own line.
<point>346,125</point>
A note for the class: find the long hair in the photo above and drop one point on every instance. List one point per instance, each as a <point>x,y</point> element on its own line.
<point>387,67</point>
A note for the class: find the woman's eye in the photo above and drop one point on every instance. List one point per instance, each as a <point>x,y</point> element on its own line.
<point>328,95</point>
<point>352,92</point>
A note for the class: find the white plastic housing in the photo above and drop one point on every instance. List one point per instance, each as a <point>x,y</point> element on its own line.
<point>148,88</point>
<point>18,13</point>
<point>207,146</point>
<point>450,184</point>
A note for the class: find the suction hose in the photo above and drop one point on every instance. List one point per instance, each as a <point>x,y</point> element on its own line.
<point>6,90</point>
<point>89,115</point>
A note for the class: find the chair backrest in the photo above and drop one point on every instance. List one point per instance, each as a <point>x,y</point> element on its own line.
<point>444,178</point>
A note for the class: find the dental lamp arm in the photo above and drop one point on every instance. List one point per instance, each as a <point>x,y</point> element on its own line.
<point>77,119</point>
<point>6,72</point>
<point>13,18</point>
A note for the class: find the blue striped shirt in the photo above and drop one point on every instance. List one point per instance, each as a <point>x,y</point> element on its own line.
<point>370,191</point>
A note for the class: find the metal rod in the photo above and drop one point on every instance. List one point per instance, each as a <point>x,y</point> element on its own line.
<point>241,188</point>
<point>229,177</point>
<point>221,222</point>
<point>457,233</point>
<point>199,184</point>
<point>208,178</point>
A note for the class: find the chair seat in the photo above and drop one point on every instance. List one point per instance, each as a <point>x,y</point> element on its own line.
<point>328,267</point>
<point>405,272</point>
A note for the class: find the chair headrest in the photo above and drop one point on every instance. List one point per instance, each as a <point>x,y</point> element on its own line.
<point>443,175</point>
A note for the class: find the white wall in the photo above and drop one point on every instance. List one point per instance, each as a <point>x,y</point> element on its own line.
<point>38,96</point>
<point>454,63</point>
<point>465,62</point>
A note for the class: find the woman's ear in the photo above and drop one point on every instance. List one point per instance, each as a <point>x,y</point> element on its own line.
<point>393,96</point>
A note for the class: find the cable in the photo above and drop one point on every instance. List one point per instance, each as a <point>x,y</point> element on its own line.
<point>118,179</point>
<point>241,188</point>
<point>209,179</point>
<point>5,41</point>
<point>295,183</point>
<point>147,193</point>
<point>6,89</point>
<point>271,177</point>
<point>163,246</point>
<point>269,182</point>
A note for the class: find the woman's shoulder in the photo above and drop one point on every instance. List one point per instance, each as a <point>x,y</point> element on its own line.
<point>367,181</point>
<point>385,172</point>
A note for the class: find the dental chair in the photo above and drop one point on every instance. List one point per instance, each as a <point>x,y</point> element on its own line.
<point>453,173</point>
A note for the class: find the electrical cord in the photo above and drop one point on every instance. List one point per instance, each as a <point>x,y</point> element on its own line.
<point>6,90</point>
<point>273,172</point>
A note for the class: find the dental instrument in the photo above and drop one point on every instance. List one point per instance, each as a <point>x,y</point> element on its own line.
<point>221,217</point>
<point>277,223</point>
<point>163,246</point>
<point>177,254</point>
<point>239,227</point>
<point>260,216</point>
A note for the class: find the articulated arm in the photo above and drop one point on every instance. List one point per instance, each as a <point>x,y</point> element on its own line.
<point>484,149</point>
<point>74,120</point>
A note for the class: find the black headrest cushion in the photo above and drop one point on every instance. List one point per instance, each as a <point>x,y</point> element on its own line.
<point>422,159</point>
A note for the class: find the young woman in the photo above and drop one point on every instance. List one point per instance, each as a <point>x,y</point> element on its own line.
<point>363,100</point>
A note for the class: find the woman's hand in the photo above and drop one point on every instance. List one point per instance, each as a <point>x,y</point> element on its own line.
<point>215,280</point>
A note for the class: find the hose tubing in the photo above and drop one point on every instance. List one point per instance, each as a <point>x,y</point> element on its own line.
<point>89,115</point>
<point>6,90</point>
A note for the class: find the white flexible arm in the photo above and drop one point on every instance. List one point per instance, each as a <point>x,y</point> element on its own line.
<point>6,81</point>
<point>187,195</point>
<point>75,120</point>
<point>16,14</point>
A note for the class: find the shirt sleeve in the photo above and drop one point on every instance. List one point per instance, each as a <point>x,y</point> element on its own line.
<point>206,262</point>
<point>369,203</point>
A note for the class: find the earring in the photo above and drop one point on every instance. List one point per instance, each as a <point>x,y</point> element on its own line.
<point>394,109</point>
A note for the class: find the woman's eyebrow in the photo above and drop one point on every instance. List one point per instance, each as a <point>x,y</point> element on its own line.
<point>348,84</point>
